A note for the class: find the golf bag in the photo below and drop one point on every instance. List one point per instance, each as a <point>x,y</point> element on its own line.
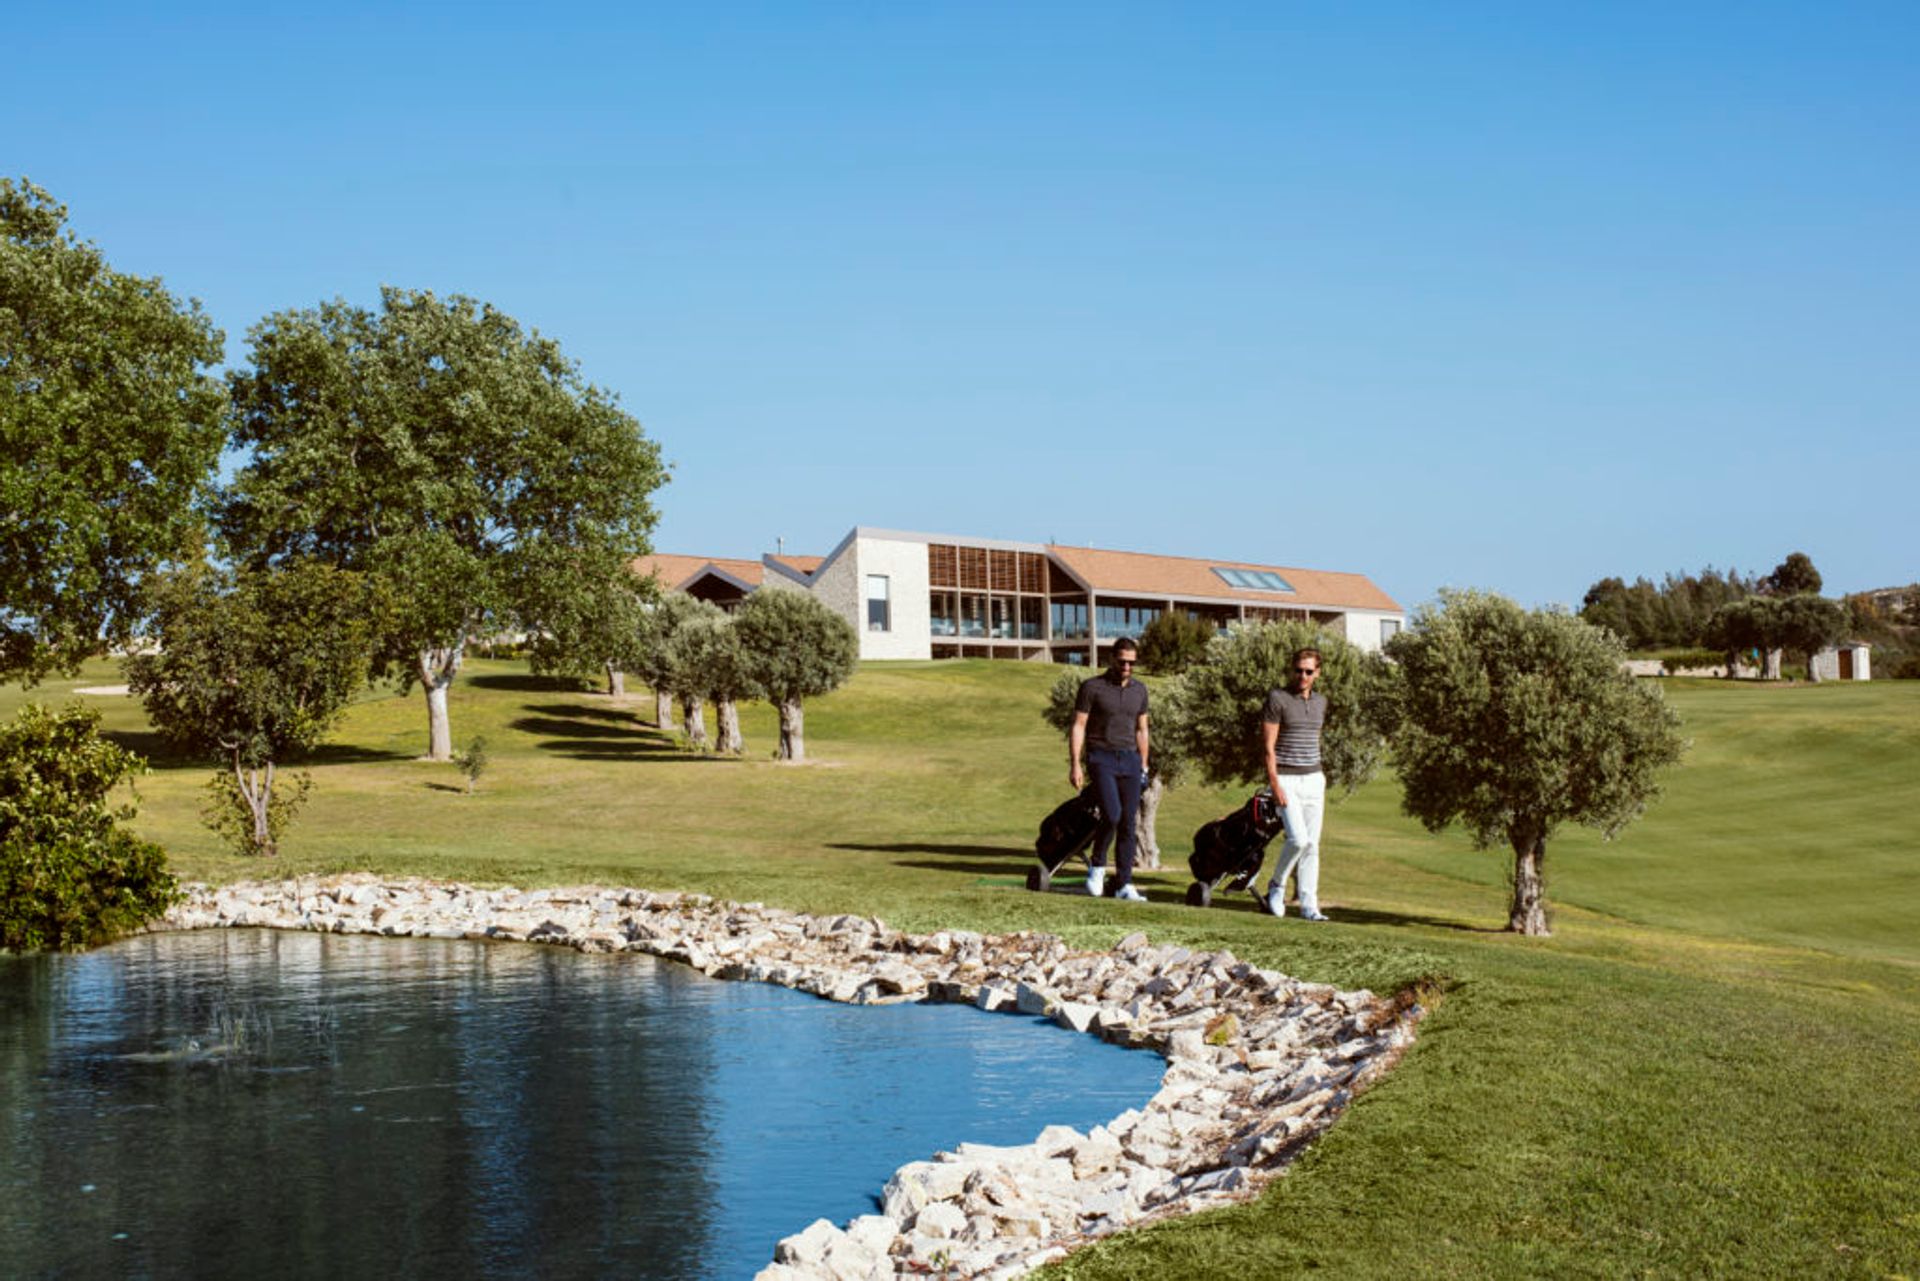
<point>1064,833</point>
<point>1231,849</point>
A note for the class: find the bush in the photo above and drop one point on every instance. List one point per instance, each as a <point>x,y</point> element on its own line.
<point>1693,660</point>
<point>70,875</point>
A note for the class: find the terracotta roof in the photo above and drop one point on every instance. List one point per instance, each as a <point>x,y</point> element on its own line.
<point>804,565</point>
<point>678,571</point>
<point>1185,578</point>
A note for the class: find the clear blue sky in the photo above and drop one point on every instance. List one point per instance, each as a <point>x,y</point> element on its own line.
<point>1500,295</point>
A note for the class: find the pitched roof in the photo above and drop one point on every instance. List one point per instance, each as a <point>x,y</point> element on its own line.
<point>678,571</point>
<point>1186,578</point>
<point>801,565</point>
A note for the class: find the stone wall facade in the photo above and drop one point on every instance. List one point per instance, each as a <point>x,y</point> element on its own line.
<point>1258,1063</point>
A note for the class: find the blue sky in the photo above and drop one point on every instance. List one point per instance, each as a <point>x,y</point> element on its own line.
<point>1511,296</point>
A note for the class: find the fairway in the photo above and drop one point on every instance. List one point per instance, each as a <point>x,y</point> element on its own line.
<point>1712,1068</point>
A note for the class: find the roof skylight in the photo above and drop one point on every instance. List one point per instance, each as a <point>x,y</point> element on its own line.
<point>1259,580</point>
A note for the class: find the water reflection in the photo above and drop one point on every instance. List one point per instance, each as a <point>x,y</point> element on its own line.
<point>244,1101</point>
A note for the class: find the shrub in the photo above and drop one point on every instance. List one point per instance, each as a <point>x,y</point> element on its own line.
<point>70,875</point>
<point>474,761</point>
<point>1692,660</point>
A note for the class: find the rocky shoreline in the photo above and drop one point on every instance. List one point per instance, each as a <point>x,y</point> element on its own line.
<point>1258,1063</point>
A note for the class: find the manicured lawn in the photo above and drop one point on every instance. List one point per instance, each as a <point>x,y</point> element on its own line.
<point>1713,1068</point>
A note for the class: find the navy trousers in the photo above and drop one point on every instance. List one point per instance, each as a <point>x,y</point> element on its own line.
<point>1116,781</point>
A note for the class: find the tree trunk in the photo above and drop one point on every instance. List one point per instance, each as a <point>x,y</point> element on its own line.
<point>696,724</point>
<point>1529,913</point>
<point>793,731</point>
<point>1771,670</point>
<point>257,792</point>
<point>662,709</point>
<point>616,682</point>
<point>1733,664</point>
<point>1146,841</point>
<point>726,716</point>
<point>1813,673</point>
<point>437,670</point>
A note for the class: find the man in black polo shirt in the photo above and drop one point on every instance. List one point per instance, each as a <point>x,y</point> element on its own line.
<point>1110,724</point>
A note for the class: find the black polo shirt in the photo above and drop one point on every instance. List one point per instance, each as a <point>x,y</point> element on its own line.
<point>1113,711</point>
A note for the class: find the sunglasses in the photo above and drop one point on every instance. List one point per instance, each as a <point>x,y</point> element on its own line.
<point>1306,671</point>
<point>1123,662</point>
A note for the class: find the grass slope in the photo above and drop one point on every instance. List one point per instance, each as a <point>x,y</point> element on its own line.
<point>1713,1068</point>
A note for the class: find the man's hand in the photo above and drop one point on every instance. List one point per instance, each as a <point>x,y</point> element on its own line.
<point>1279,796</point>
<point>1075,777</point>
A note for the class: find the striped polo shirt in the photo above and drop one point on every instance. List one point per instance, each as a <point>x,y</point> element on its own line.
<point>1296,750</point>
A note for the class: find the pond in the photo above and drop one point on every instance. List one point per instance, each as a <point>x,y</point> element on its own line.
<point>231,1102</point>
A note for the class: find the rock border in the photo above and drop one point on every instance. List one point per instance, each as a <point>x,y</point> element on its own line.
<point>1258,1063</point>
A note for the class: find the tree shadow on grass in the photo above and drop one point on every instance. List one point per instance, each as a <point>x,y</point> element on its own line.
<point>609,715</point>
<point>163,755</point>
<point>1403,920</point>
<point>527,682</point>
<point>597,734</point>
<point>970,860</point>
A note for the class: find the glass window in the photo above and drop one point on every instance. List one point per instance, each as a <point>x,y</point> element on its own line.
<point>1389,628</point>
<point>879,611</point>
<point>1259,580</point>
<point>940,616</point>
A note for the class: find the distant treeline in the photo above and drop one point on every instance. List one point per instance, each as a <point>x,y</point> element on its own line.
<point>1670,614</point>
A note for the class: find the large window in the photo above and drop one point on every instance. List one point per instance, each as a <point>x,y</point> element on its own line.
<point>973,615</point>
<point>1069,620</point>
<point>879,604</point>
<point>1389,628</point>
<point>1113,621</point>
<point>941,620</point>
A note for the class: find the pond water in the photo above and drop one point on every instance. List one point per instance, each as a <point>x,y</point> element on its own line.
<point>233,1102</point>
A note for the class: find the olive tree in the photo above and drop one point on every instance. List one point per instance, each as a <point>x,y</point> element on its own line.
<point>1517,721</point>
<point>254,668</point>
<point>436,444</point>
<point>70,874</point>
<point>796,648</point>
<point>1164,766</point>
<point>1805,625</point>
<point>110,430</point>
<point>711,664</point>
<point>656,660</point>
<point>1214,709</point>
<point>1172,642</point>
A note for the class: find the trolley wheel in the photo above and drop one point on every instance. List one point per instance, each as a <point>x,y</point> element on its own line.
<point>1039,880</point>
<point>1199,894</point>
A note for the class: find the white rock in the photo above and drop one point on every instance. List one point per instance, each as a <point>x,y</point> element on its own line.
<point>807,1247</point>
<point>940,1219</point>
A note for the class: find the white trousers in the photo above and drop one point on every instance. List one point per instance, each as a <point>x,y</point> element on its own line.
<point>1301,817</point>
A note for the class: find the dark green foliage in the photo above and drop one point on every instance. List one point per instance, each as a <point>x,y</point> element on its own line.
<point>1692,660</point>
<point>1174,642</point>
<point>109,434</point>
<point>1806,624</point>
<point>463,459</point>
<point>70,875</point>
<point>1673,613</point>
<point>254,669</point>
<point>1214,710</point>
<point>1794,576</point>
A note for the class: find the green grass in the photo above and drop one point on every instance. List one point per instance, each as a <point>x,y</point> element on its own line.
<point>1712,1068</point>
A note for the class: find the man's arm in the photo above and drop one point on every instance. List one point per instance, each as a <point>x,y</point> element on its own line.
<point>1143,742</point>
<point>1076,740</point>
<point>1269,735</point>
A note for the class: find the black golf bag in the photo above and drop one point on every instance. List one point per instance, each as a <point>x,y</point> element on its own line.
<point>1064,833</point>
<point>1231,849</point>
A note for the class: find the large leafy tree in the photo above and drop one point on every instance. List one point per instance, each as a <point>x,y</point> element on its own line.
<point>254,669</point>
<point>1517,721</point>
<point>110,429</point>
<point>437,444</point>
<point>655,658</point>
<point>1806,624</point>
<point>1214,709</point>
<point>796,648</point>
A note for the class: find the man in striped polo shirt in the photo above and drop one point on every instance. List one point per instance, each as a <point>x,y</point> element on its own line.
<point>1290,736</point>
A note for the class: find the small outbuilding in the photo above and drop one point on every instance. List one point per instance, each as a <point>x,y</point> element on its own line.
<point>1847,661</point>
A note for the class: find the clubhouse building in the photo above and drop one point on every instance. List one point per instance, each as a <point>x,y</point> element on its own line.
<point>926,596</point>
